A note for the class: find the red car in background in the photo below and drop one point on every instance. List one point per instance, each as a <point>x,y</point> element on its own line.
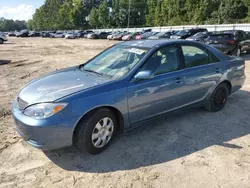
<point>130,36</point>
<point>145,35</point>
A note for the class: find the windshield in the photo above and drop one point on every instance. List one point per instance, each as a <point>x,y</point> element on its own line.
<point>115,62</point>
<point>182,32</point>
<point>161,34</point>
<point>199,34</point>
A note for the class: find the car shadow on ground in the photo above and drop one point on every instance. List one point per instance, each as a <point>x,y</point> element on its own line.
<point>170,138</point>
<point>3,62</point>
<point>8,43</point>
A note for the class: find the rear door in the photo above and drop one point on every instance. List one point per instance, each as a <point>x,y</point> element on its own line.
<point>202,72</point>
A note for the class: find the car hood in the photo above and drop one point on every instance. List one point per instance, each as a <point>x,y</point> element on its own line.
<point>59,84</point>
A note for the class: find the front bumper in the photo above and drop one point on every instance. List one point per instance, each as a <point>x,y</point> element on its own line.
<point>47,134</point>
<point>4,38</point>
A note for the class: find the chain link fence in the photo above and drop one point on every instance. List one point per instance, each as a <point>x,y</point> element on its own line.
<point>212,28</point>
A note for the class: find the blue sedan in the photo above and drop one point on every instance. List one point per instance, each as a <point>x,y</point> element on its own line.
<point>123,87</point>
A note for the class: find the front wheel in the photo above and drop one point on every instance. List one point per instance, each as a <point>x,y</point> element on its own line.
<point>218,98</point>
<point>95,133</point>
<point>1,41</point>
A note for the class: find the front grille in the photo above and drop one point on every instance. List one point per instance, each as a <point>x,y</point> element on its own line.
<point>21,103</point>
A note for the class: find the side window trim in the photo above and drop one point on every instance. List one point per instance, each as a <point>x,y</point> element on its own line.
<point>210,54</point>
<point>181,60</point>
<point>181,64</point>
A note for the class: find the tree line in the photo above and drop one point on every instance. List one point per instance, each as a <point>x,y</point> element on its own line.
<point>12,25</point>
<point>84,14</point>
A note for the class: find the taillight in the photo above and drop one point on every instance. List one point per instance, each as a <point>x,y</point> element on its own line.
<point>232,41</point>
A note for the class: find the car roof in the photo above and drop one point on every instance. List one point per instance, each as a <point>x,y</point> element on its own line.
<point>152,43</point>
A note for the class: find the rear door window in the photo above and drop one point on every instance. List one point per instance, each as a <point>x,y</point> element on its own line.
<point>194,56</point>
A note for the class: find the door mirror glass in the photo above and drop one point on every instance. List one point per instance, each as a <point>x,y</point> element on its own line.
<point>144,75</point>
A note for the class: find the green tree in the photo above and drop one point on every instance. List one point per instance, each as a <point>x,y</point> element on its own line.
<point>78,14</point>
<point>30,25</point>
<point>103,14</point>
<point>159,15</point>
<point>94,18</point>
<point>64,21</point>
<point>150,17</point>
<point>11,25</point>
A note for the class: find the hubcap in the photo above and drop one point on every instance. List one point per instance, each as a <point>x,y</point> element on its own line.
<point>102,132</point>
<point>219,97</point>
<point>238,52</point>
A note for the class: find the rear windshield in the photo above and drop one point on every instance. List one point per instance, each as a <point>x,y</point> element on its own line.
<point>220,36</point>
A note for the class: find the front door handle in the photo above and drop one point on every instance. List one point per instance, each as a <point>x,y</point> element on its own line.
<point>217,70</point>
<point>179,80</point>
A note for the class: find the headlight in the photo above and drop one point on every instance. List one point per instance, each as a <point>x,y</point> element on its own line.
<point>44,110</point>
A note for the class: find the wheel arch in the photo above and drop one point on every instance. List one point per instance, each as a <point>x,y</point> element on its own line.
<point>229,85</point>
<point>117,113</point>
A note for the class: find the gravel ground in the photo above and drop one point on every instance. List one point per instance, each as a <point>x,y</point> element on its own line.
<point>193,148</point>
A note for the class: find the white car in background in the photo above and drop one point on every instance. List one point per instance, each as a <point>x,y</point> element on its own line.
<point>3,38</point>
<point>70,36</point>
<point>58,35</point>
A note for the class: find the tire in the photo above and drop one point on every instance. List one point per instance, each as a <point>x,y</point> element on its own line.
<point>1,41</point>
<point>217,99</point>
<point>248,51</point>
<point>86,131</point>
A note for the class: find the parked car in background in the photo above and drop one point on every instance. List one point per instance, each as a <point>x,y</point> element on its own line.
<point>103,35</point>
<point>119,35</point>
<point>183,34</point>
<point>161,35</point>
<point>58,35</point>
<point>110,36</point>
<point>229,42</point>
<point>78,34</point>
<point>146,30</point>
<point>145,35</point>
<point>3,37</point>
<point>23,33</point>
<point>130,36</point>
<point>70,35</point>
<point>34,34</point>
<point>130,84</point>
<point>86,33</point>
<point>47,34</point>
<point>199,36</point>
<point>11,34</point>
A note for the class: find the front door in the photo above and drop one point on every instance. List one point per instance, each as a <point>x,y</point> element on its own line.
<point>148,98</point>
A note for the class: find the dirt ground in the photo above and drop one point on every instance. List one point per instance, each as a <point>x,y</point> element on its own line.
<point>191,149</point>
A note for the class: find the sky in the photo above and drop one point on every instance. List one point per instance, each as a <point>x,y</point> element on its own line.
<point>19,9</point>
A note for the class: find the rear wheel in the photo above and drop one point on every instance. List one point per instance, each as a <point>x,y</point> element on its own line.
<point>1,41</point>
<point>95,133</point>
<point>218,98</point>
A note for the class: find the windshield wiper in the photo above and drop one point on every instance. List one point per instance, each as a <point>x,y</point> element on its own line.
<point>98,73</point>
<point>92,71</point>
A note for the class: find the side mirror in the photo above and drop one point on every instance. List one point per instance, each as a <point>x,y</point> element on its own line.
<point>144,75</point>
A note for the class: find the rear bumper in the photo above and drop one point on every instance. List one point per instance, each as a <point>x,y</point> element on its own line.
<point>45,134</point>
<point>237,83</point>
